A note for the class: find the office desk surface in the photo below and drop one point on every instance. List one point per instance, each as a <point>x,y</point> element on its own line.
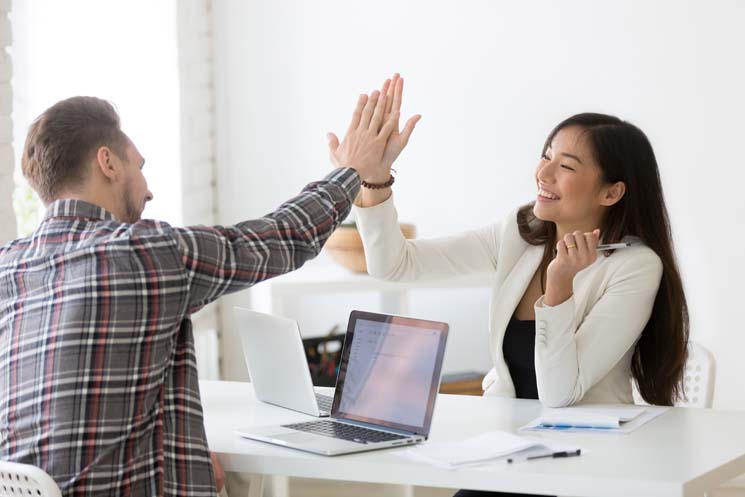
<point>684,452</point>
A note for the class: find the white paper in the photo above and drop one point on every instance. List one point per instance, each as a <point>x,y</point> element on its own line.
<point>483,448</point>
<point>595,418</point>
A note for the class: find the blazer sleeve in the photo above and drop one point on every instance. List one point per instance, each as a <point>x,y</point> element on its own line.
<point>391,257</point>
<point>571,357</point>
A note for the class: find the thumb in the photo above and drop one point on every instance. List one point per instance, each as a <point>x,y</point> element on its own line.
<point>333,142</point>
<point>333,146</point>
<point>409,128</point>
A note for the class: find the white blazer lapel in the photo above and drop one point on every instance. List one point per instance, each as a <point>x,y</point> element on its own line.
<point>505,301</point>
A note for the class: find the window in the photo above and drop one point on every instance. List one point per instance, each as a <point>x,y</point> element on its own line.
<point>125,52</point>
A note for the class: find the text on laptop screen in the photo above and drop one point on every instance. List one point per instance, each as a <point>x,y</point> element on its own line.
<point>391,372</point>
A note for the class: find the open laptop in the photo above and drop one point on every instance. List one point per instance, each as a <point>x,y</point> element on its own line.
<point>385,391</point>
<point>277,364</point>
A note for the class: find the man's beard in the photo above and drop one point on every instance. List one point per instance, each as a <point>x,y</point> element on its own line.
<point>131,211</point>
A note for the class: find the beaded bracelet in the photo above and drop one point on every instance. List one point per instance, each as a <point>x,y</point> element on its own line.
<point>378,186</point>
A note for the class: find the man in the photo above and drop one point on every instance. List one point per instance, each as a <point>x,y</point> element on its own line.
<point>98,380</point>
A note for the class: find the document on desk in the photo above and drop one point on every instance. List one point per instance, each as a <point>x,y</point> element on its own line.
<point>483,448</point>
<point>595,418</point>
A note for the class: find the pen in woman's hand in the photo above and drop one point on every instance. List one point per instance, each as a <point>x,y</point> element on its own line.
<point>612,246</point>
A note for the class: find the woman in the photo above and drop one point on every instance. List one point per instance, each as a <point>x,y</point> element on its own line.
<point>567,325</point>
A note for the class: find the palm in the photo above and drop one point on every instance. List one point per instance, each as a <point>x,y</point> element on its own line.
<point>393,148</point>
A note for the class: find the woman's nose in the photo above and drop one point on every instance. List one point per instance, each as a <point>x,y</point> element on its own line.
<point>545,172</point>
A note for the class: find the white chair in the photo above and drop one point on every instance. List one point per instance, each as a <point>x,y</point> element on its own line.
<point>24,480</point>
<point>700,373</point>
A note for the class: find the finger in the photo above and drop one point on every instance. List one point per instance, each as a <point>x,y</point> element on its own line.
<point>385,89</point>
<point>398,94</point>
<point>571,245</point>
<point>579,239</point>
<point>592,240</point>
<point>333,146</point>
<point>377,118</point>
<point>389,126</point>
<point>561,250</point>
<point>357,114</point>
<point>409,128</point>
<point>390,92</point>
<point>367,112</point>
<point>333,142</point>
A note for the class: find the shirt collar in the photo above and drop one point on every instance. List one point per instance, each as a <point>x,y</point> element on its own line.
<point>77,208</point>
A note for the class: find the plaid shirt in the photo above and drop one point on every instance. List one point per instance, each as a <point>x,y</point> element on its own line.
<point>98,379</point>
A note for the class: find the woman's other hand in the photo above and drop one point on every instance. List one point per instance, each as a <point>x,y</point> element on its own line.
<point>574,252</point>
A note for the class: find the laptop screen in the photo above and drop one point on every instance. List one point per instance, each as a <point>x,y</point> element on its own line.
<point>390,371</point>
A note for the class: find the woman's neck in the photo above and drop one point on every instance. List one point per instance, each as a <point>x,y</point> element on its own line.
<point>586,226</point>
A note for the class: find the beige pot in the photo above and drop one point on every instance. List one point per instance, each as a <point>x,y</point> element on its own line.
<point>345,246</point>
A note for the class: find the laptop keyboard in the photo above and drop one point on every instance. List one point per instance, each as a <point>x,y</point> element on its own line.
<point>324,402</point>
<point>344,431</point>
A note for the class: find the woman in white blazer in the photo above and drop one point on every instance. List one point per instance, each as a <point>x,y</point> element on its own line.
<point>567,325</point>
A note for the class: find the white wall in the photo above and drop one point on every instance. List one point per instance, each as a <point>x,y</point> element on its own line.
<point>491,79</point>
<point>197,167</point>
<point>7,215</point>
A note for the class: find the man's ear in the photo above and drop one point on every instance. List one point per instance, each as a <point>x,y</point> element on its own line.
<point>107,163</point>
<point>613,194</point>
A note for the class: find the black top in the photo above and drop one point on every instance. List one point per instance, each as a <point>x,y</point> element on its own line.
<point>518,348</point>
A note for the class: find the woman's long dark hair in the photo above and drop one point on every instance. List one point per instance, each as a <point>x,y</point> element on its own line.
<point>624,153</point>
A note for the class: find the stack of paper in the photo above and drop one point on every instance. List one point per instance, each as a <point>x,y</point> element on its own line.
<point>482,448</point>
<point>611,419</point>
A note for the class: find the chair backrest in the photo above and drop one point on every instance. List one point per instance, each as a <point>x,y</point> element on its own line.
<point>24,480</point>
<point>699,376</point>
<point>700,373</point>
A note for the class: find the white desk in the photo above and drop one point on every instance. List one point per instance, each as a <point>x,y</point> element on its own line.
<point>684,452</point>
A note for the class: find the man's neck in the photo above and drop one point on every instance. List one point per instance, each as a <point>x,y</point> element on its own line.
<point>104,201</point>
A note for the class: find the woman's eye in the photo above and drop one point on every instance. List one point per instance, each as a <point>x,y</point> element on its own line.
<point>567,167</point>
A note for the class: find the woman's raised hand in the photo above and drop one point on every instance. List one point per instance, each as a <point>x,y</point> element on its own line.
<point>394,88</point>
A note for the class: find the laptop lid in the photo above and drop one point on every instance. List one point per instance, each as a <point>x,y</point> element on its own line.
<point>390,371</point>
<point>276,361</point>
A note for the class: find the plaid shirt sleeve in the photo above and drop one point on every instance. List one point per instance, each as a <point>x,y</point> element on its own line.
<point>222,260</point>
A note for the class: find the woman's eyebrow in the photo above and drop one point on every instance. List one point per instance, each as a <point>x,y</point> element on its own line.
<point>571,156</point>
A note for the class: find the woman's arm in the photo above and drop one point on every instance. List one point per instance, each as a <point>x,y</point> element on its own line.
<point>391,257</point>
<point>571,357</point>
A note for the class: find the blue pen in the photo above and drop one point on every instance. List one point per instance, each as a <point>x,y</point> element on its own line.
<point>577,427</point>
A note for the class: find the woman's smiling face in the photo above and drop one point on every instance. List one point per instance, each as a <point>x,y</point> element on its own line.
<point>570,190</point>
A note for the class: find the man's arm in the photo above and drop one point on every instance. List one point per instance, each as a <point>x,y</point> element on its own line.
<point>222,260</point>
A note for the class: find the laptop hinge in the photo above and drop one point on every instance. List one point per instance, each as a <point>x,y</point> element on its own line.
<point>377,427</point>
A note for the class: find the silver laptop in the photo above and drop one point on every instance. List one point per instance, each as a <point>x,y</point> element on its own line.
<point>276,362</point>
<point>385,391</point>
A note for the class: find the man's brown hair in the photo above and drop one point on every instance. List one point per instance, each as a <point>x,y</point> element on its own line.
<point>62,140</point>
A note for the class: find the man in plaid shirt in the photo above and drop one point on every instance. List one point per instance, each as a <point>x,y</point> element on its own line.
<point>98,379</point>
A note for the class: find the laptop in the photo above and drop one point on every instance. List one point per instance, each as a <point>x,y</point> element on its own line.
<point>277,364</point>
<point>385,392</point>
